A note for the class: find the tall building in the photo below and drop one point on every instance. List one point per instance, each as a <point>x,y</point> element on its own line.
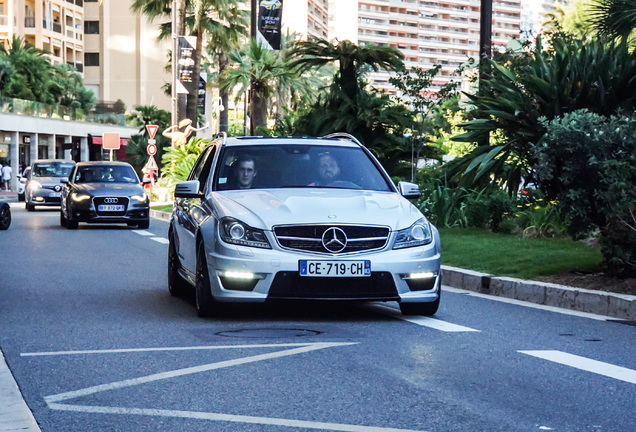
<point>308,18</point>
<point>428,32</point>
<point>123,59</point>
<point>52,25</point>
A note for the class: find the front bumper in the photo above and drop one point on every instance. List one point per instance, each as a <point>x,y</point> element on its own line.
<point>277,277</point>
<point>86,212</point>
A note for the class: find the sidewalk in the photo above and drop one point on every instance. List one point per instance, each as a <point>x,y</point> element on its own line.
<point>8,196</point>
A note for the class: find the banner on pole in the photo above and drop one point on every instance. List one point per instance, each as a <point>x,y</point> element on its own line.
<point>185,82</point>
<point>269,22</point>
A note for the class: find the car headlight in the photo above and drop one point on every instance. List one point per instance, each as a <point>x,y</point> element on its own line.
<point>34,185</point>
<point>417,234</point>
<point>236,232</point>
<point>79,197</point>
<point>140,198</point>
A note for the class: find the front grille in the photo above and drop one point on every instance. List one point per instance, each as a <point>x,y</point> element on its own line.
<point>97,201</point>
<point>308,238</point>
<point>290,285</point>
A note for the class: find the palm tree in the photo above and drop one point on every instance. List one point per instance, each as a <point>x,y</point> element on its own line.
<point>264,68</point>
<point>616,18</point>
<point>351,59</point>
<point>32,76</point>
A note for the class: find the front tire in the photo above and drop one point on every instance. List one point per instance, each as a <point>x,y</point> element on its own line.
<point>205,303</point>
<point>176,284</point>
<point>21,197</point>
<point>63,220</point>
<point>30,207</point>
<point>144,225</point>
<point>5,216</point>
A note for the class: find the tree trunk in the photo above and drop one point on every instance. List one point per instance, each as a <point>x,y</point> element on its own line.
<point>258,111</point>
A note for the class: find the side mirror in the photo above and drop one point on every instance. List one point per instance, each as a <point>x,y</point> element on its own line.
<point>409,190</point>
<point>188,189</point>
<point>146,181</point>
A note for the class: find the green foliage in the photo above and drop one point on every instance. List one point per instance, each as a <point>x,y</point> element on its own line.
<point>588,163</point>
<point>487,208</point>
<point>571,74</point>
<point>442,205</point>
<point>178,161</point>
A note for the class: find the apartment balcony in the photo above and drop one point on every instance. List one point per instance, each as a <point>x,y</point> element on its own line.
<point>57,27</point>
<point>29,22</point>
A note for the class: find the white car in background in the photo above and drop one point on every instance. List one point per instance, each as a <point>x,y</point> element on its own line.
<point>259,220</point>
<point>22,179</point>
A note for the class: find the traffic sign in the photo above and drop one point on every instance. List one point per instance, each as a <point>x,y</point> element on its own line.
<point>152,130</point>
<point>152,164</point>
<point>152,149</point>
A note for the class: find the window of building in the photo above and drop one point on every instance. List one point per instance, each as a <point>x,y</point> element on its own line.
<point>91,59</point>
<point>91,27</point>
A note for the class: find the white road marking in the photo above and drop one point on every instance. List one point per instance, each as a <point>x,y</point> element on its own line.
<point>589,365</point>
<point>143,232</point>
<point>160,240</point>
<point>226,417</point>
<point>188,371</point>
<point>15,415</point>
<point>420,320</point>
<point>53,400</point>
<point>133,350</point>
<point>528,304</point>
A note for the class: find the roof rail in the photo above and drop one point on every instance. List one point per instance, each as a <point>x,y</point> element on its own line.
<point>345,136</point>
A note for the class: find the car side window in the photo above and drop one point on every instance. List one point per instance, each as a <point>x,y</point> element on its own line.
<point>201,169</point>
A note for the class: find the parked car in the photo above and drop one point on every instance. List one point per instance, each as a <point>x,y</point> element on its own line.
<point>267,219</point>
<point>104,192</point>
<point>22,179</point>
<point>44,182</point>
<point>5,215</point>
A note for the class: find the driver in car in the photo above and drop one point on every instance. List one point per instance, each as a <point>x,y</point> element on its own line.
<point>328,170</point>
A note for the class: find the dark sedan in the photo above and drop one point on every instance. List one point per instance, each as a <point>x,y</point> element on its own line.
<point>104,192</point>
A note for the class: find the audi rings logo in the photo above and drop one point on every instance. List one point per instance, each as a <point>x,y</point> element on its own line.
<point>111,200</point>
<point>57,188</point>
<point>334,240</point>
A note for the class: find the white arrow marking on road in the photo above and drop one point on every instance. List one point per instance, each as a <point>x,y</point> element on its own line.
<point>187,371</point>
<point>226,417</point>
<point>160,240</point>
<point>53,400</point>
<point>421,320</point>
<point>597,367</point>
<point>143,232</point>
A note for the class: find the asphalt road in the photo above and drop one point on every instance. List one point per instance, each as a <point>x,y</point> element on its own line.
<point>96,343</point>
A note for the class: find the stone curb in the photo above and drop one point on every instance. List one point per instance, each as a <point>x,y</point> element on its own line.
<point>620,306</point>
<point>160,215</point>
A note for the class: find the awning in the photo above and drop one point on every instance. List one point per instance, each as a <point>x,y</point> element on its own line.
<point>97,140</point>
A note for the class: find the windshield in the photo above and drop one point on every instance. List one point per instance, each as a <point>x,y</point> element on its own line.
<point>298,166</point>
<point>106,174</point>
<point>52,169</point>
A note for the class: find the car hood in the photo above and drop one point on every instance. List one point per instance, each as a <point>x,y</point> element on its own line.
<point>107,189</point>
<point>267,208</point>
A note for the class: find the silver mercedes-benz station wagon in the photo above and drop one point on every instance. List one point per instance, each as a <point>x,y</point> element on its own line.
<point>265,219</point>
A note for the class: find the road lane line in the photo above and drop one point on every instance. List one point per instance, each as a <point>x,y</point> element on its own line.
<point>189,371</point>
<point>589,365</point>
<point>226,417</point>
<point>143,232</point>
<point>160,240</point>
<point>420,320</point>
<point>15,415</point>
<point>528,304</point>
<point>133,350</point>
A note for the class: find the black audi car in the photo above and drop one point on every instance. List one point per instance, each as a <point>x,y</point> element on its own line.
<point>104,192</point>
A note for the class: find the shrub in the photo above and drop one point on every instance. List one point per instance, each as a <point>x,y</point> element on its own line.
<point>588,163</point>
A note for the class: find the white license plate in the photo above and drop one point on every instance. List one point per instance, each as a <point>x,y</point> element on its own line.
<point>55,194</point>
<point>324,268</point>
<point>110,207</point>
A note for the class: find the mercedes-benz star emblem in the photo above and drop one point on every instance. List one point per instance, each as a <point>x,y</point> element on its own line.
<point>334,240</point>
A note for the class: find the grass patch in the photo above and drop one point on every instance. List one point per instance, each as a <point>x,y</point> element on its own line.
<point>515,256</point>
<point>164,208</point>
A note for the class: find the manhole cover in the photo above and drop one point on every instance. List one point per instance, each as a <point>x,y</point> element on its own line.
<point>268,333</point>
